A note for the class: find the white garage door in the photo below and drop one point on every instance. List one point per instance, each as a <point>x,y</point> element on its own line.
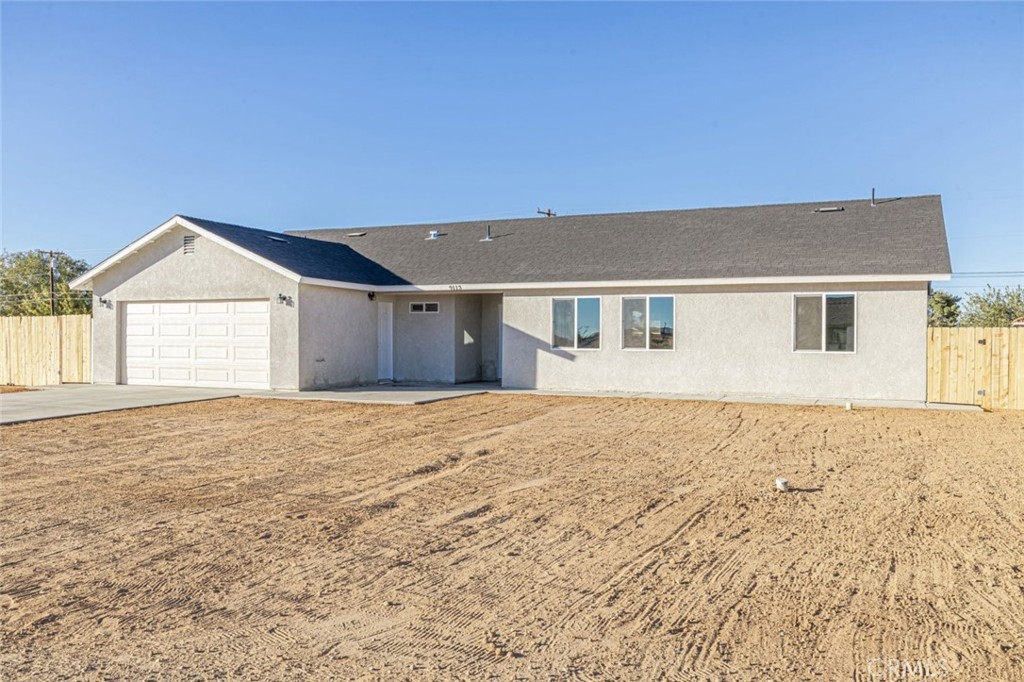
<point>198,343</point>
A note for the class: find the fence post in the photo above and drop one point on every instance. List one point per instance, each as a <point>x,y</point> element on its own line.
<point>60,349</point>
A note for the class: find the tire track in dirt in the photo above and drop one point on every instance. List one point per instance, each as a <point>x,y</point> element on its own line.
<point>599,538</point>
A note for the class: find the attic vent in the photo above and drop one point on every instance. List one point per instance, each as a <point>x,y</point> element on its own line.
<point>188,244</point>
<point>277,239</point>
<point>434,234</point>
<point>356,234</point>
<point>829,209</point>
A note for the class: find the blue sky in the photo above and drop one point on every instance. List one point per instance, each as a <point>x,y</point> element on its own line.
<point>285,115</point>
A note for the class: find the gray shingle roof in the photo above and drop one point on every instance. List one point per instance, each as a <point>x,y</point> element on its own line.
<point>896,237</point>
<point>304,256</point>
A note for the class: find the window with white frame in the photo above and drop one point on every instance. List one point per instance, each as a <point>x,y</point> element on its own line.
<point>576,323</point>
<point>825,322</point>
<point>424,307</point>
<point>648,322</point>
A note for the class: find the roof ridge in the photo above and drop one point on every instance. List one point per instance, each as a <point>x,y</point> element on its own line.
<point>878,200</point>
<point>218,222</point>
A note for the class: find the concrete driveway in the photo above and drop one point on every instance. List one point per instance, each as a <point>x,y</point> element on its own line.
<point>389,394</point>
<point>73,399</point>
<point>68,400</point>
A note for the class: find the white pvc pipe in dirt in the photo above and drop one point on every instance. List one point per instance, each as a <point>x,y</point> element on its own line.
<point>782,484</point>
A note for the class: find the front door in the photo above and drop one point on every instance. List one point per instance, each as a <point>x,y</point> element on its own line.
<point>385,354</point>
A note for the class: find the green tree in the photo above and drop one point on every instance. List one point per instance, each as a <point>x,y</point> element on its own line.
<point>993,307</point>
<point>25,284</point>
<point>943,309</point>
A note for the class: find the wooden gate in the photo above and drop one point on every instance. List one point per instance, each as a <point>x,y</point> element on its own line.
<point>977,365</point>
<point>42,351</point>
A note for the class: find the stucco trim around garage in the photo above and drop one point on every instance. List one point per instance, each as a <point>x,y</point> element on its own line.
<point>85,280</point>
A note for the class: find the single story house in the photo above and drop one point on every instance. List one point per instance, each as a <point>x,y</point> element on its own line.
<point>814,300</point>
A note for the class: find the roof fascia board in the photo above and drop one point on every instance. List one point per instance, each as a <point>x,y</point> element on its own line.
<point>335,284</point>
<point>151,236</point>
<point>613,284</point>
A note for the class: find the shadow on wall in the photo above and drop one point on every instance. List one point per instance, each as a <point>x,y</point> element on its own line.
<point>520,353</point>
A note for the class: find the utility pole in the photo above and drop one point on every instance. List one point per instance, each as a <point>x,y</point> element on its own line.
<point>549,213</point>
<point>53,288</point>
<point>60,321</point>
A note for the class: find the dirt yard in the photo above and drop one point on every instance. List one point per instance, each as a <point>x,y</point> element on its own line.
<point>512,537</point>
<point>8,388</point>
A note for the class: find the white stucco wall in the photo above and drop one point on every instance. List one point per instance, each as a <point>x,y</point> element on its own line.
<point>728,340</point>
<point>424,342</point>
<point>337,337</point>
<point>162,272</point>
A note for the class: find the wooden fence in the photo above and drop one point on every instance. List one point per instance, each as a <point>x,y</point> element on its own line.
<point>977,365</point>
<point>41,351</point>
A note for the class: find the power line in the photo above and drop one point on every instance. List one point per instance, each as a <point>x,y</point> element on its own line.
<point>963,287</point>
<point>992,273</point>
<point>44,295</point>
<point>982,236</point>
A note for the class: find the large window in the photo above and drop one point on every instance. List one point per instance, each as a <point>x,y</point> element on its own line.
<point>825,322</point>
<point>576,323</point>
<point>648,322</point>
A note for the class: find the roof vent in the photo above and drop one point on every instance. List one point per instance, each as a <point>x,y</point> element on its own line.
<point>434,234</point>
<point>356,234</point>
<point>277,239</point>
<point>488,238</point>
<point>829,209</point>
<point>188,244</point>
